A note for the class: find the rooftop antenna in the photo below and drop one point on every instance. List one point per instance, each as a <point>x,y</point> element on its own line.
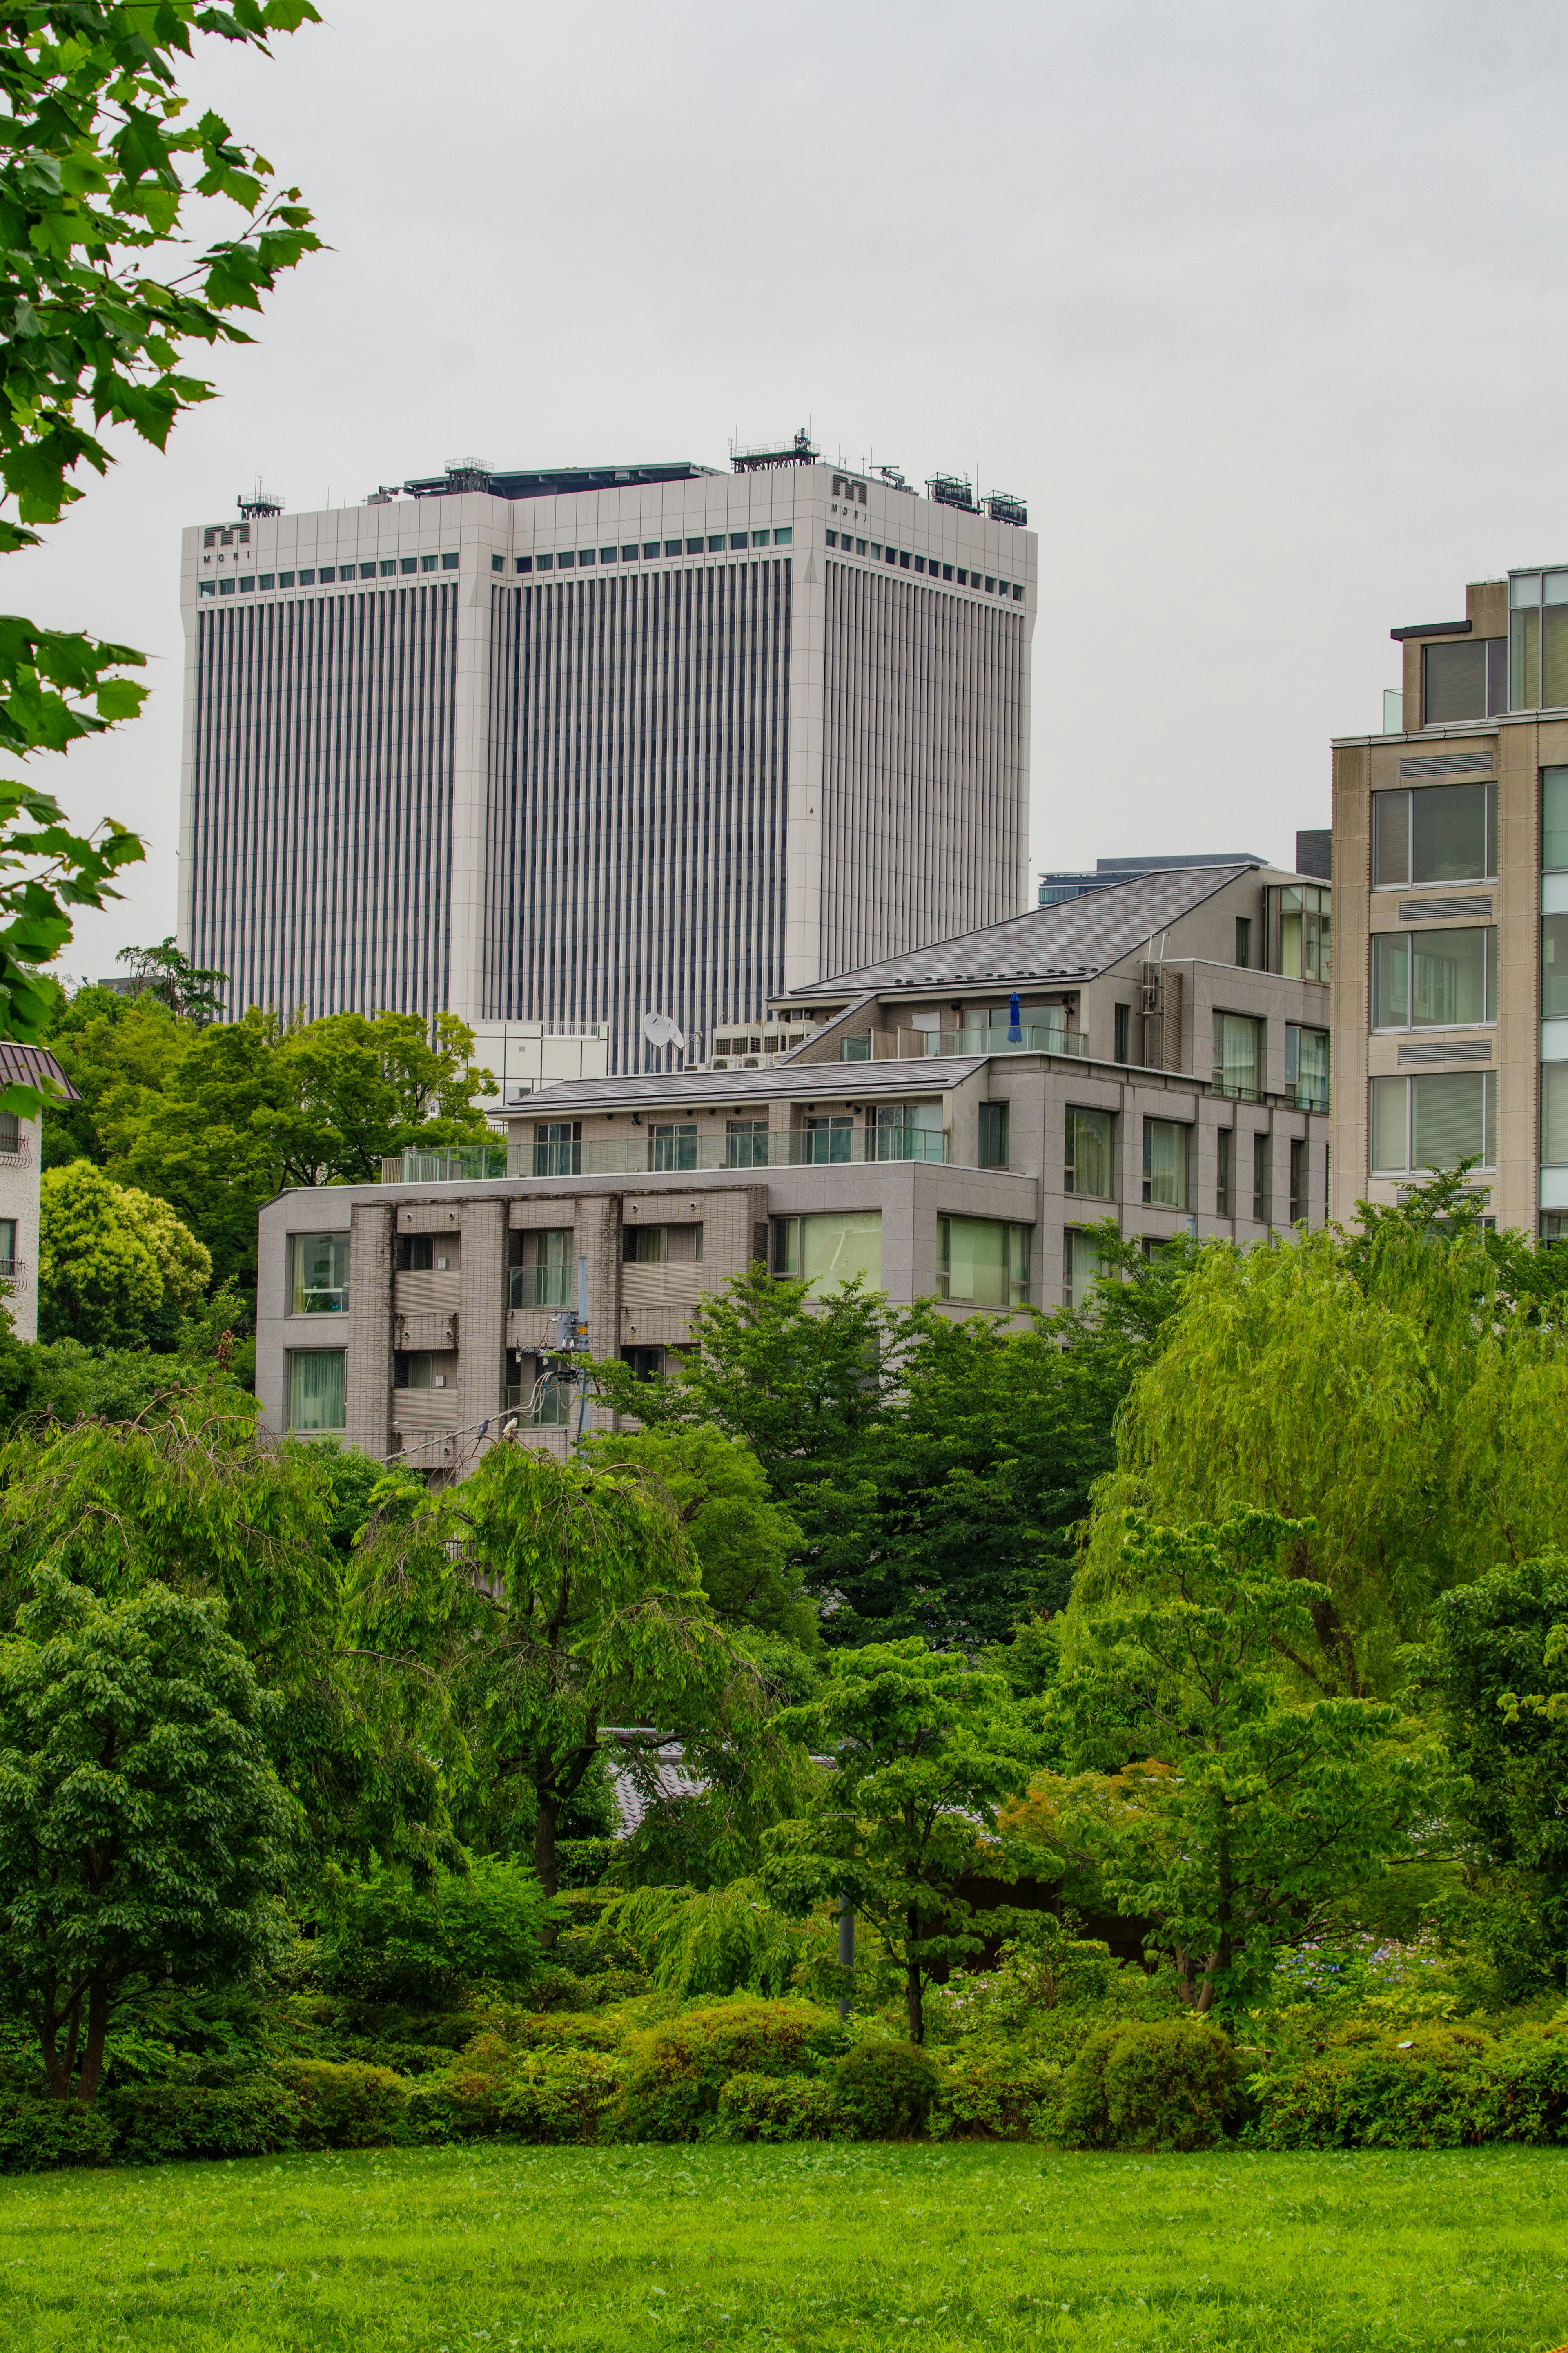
<point>662,1033</point>
<point>259,502</point>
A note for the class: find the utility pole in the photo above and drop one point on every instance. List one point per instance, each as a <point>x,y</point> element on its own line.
<point>846,1949</point>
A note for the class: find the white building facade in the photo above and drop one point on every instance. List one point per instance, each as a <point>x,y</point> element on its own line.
<point>562,749</point>
<point>21,1180</point>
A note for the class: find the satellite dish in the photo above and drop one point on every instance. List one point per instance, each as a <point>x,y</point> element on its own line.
<point>660,1031</point>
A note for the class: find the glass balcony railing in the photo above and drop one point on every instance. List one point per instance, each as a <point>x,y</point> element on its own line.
<point>795,1148</point>
<point>1033,1037</point>
<point>458,1165</point>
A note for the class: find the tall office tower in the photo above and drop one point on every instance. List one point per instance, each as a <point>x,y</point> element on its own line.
<point>1450,879</point>
<point>568,747</point>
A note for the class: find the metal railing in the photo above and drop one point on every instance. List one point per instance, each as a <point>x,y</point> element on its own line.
<point>791,1148</point>
<point>321,1299</point>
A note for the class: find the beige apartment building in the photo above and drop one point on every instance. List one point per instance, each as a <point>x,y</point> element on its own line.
<point>1450,875</point>
<point>948,1123</point>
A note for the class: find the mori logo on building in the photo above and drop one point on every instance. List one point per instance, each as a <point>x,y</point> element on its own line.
<point>224,534</point>
<point>852,493</point>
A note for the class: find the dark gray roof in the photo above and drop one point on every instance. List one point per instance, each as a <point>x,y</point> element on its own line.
<point>694,1090</point>
<point>1070,942</point>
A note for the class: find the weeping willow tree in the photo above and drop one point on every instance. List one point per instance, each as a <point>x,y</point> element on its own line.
<point>1390,1395</point>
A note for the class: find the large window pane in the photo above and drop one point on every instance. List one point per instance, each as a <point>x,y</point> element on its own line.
<point>1307,1066</point>
<point>1524,661</point>
<point>543,1274</point>
<point>830,1139</point>
<point>1555,656</point>
<point>1448,978</point>
<point>1554,965</point>
<point>1390,1124</point>
<point>317,1391</point>
<point>1448,833</point>
<point>1081,1266</point>
<point>1391,980</point>
<point>1448,1119</point>
<point>829,1249</point>
<point>1390,837</point>
<point>1165,1162</point>
<point>672,1146</point>
<point>317,1275</point>
<point>1555,1115</point>
<point>1088,1166</point>
<point>1237,1055</point>
<point>982,1260</point>
<point>1455,682</point>
<point>1555,819</point>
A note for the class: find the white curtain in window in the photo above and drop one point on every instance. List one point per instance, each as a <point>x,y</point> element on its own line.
<point>317,1390</point>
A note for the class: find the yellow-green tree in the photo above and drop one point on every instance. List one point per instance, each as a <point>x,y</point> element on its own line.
<point>116,1267</point>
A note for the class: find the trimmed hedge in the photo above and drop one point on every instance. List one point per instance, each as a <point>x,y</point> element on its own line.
<point>676,2070</point>
<point>780,2107</point>
<point>1435,2087</point>
<point>1163,2086</point>
<point>886,2089</point>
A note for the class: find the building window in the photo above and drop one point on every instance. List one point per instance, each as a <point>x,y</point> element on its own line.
<point>557,1147</point>
<point>672,1145</point>
<point>411,563</point>
<point>1538,640</point>
<point>906,1131</point>
<point>366,572</point>
<point>1307,1067</point>
<point>449,560</point>
<point>832,538</point>
<point>1082,1266</point>
<point>1224,1172</point>
<point>389,566</point>
<point>606,555</point>
<point>1555,1115</point>
<point>10,1132</point>
<point>694,546</point>
<point>7,1247</point>
<point>784,538</point>
<point>715,542</point>
<point>1298,1180</point>
<point>828,1138</point>
<point>661,1245</point>
<point>629,554</point>
<point>308,580</point>
<point>1433,1121</point>
<point>737,539</point>
<point>207,587</point>
<point>746,1144</point>
<point>317,1388</point>
<point>983,1260</point>
<point>644,1364</point>
<point>519,562</point>
<point>1454,679</point>
<point>994,1135</point>
<point>587,555</point>
<point>266,580</point>
<point>247,585</point>
<point>1434,833</point>
<point>225,587</point>
<point>540,1274</point>
<point>1440,980</point>
<point>1555,821</point>
<point>1165,1162</point>
<point>285,580</point>
<point>1244,940</point>
<point>564,559</point>
<point>317,1275</point>
<point>1122,1049</point>
<point>1300,930</point>
<point>855,1049</point>
<point>1087,1162</point>
<point>545,562</point>
<point>1262,1178</point>
<point>828,1251</point>
<point>1238,1056</point>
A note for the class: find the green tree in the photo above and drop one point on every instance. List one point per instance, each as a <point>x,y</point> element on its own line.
<point>744,1543</point>
<point>1499,1660</point>
<point>925,1747</point>
<point>116,1268</point>
<point>1388,1398</point>
<point>559,1597</point>
<point>1237,1809</point>
<point>167,974</point>
<point>216,1119</point>
<point>97,179</point>
<point>143,1829</point>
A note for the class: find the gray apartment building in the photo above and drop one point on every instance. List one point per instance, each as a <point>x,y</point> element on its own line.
<point>949,1123</point>
<point>557,749</point>
<point>1450,869</point>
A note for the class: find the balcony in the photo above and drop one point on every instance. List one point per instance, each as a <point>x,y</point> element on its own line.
<point>791,1148</point>
<point>539,1286</point>
<point>1032,1038</point>
<point>669,1282</point>
<point>423,1292</point>
<point>422,1409</point>
<point>458,1165</point>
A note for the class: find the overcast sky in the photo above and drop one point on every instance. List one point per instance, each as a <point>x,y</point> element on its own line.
<point>1260,308</point>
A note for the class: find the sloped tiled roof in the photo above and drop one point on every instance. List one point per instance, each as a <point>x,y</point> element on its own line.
<point>1072,941</point>
<point>34,1066</point>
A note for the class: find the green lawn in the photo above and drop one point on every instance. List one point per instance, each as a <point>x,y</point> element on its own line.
<point>937,2248</point>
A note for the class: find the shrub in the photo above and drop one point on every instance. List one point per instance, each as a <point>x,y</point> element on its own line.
<point>154,2122</point>
<point>582,1863</point>
<point>37,2134</point>
<point>886,2089</point>
<point>996,2092</point>
<point>779,2107</point>
<point>345,2104</point>
<point>395,1941</point>
<point>560,2095</point>
<point>676,2070</point>
<point>1164,2087</point>
<point>1435,2087</point>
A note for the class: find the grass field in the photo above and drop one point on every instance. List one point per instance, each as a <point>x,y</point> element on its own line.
<point>480,2251</point>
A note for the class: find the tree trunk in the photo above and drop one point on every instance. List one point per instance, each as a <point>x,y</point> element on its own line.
<point>913,1981</point>
<point>91,2074</point>
<point>847,1953</point>
<point>544,1856</point>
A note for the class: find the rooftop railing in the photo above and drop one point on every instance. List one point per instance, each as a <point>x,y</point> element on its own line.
<point>1030,1037</point>
<point>827,1146</point>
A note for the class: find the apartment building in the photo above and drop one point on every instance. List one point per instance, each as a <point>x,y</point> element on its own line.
<point>21,1177</point>
<point>949,1124</point>
<point>566,747</point>
<point>1450,870</point>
